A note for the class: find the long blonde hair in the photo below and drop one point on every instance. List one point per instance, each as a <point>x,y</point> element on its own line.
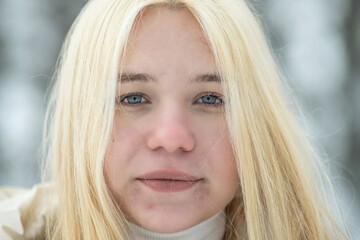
<point>282,195</point>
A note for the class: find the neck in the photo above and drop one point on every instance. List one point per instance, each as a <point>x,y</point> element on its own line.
<point>211,229</point>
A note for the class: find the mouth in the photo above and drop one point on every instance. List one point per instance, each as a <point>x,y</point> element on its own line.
<point>168,181</point>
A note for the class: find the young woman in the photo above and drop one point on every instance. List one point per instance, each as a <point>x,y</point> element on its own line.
<point>167,122</point>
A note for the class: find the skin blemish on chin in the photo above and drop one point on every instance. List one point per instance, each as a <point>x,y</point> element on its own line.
<point>150,207</point>
<point>202,192</point>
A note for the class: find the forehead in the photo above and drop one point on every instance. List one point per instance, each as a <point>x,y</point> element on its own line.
<point>172,38</point>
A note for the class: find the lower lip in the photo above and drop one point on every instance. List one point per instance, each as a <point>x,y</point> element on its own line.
<point>168,186</point>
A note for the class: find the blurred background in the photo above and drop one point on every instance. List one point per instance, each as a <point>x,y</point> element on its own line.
<point>316,43</point>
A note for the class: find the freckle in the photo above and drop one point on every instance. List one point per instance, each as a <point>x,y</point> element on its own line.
<point>203,41</point>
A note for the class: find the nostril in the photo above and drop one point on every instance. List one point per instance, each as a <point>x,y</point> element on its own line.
<point>171,139</point>
<point>186,149</point>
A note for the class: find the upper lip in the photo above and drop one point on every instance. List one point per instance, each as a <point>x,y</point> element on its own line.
<point>168,174</point>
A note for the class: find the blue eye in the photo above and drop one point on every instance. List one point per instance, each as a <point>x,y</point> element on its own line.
<point>210,99</point>
<point>133,99</point>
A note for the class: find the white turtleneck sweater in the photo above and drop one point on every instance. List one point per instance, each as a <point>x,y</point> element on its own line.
<point>211,229</point>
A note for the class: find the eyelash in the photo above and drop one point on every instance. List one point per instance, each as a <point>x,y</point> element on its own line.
<point>218,99</point>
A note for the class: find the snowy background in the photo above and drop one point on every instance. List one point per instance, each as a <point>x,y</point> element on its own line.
<point>316,42</point>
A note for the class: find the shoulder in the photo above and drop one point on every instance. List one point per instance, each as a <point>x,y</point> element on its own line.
<point>23,212</point>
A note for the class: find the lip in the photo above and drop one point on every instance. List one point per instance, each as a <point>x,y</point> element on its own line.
<point>168,180</point>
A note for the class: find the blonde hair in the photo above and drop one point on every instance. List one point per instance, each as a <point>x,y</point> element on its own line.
<point>279,197</point>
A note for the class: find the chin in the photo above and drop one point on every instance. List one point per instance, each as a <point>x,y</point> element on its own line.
<point>169,223</point>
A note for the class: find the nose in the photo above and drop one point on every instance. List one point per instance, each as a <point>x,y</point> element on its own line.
<point>171,132</point>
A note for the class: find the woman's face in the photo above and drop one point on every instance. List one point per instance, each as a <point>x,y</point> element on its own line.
<point>170,164</point>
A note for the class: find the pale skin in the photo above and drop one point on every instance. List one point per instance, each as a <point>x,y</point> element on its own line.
<point>170,119</point>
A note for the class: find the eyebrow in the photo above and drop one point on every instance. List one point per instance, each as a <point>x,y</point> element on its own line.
<point>206,78</point>
<point>133,77</point>
<point>143,77</point>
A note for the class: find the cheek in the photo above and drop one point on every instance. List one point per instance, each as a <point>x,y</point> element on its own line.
<point>125,139</point>
<point>122,149</point>
<point>226,163</point>
<point>221,160</point>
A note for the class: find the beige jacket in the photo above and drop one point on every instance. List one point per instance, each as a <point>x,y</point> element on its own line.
<point>22,212</point>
